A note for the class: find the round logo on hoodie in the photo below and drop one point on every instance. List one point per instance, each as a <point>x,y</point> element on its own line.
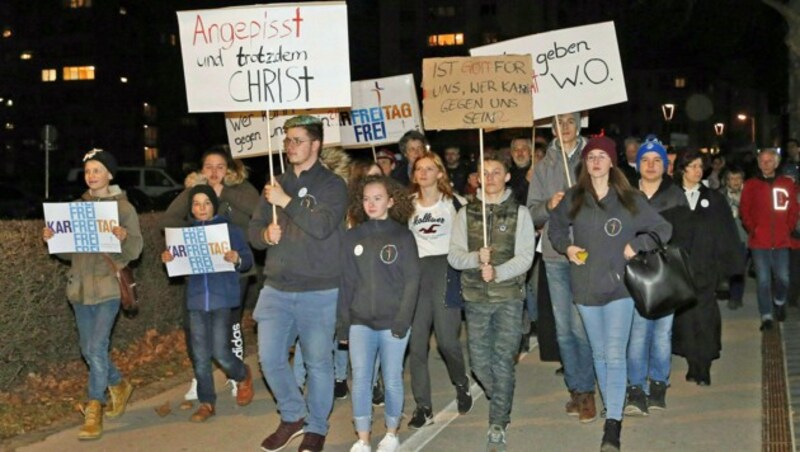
<point>302,192</point>
<point>388,254</point>
<point>358,250</point>
<point>704,203</point>
<point>613,227</point>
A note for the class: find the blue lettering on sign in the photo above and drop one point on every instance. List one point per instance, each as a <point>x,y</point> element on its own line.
<point>83,220</point>
<point>369,124</point>
<point>196,250</point>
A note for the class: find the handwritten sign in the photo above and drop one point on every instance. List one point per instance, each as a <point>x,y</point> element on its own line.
<point>248,131</point>
<point>478,92</point>
<point>383,110</point>
<point>266,57</point>
<point>198,250</point>
<point>82,227</point>
<point>574,69</point>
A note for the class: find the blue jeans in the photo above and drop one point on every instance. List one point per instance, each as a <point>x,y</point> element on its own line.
<point>609,328</point>
<point>95,323</point>
<point>341,359</point>
<point>650,350</point>
<point>283,317</point>
<point>771,263</point>
<point>365,345</point>
<point>576,354</point>
<point>493,330</point>
<point>210,335</point>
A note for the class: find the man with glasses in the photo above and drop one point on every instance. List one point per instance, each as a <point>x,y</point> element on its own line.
<point>301,285</point>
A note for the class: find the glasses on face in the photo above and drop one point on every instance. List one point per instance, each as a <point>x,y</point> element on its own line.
<point>293,142</point>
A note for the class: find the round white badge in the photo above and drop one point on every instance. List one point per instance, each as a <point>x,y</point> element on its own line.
<point>358,250</point>
<point>704,203</point>
<point>303,192</point>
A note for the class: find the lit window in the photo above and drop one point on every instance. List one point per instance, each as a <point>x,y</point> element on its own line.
<point>75,4</point>
<point>449,39</point>
<point>680,82</point>
<point>49,75</point>
<point>9,126</point>
<point>78,73</point>
<point>150,154</point>
<point>27,55</point>
<point>173,39</point>
<point>7,33</point>
<point>490,37</point>
<point>150,135</point>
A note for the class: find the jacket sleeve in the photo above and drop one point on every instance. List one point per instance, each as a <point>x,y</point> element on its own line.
<point>794,208</point>
<point>558,231</point>
<point>648,220</point>
<point>747,207</point>
<point>322,219</point>
<point>346,289</point>
<point>537,198</point>
<point>411,275</point>
<point>177,214</point>
<point>262,217</point>
<point>459,256</point>
<point>243,199</point>
<point>239,243</point>
<point>133,243</point>
<point>523,249</point>
<point>727,252</point>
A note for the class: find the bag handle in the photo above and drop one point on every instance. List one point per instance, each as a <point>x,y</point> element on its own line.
<point>659,244</point>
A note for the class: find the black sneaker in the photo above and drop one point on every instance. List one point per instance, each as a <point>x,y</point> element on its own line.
<point>766,325</point>
<point>340,390</point>
<point>611,431</point>
<point>464,398</point>
<point>377,394</point>
<point>656,400</point>
<point>422,416</point>
<point>636,405</point>
<point>780,312</point>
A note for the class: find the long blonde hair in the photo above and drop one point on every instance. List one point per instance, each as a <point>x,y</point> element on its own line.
<point>443,184</point>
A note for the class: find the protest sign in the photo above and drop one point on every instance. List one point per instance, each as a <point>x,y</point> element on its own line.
<point>382,111</point>
<point>266,57</point>
<point>479,92</point>
<point>82,227</point>
<point>247,131</point>
<point>198,250</point>
<point>574,69</point>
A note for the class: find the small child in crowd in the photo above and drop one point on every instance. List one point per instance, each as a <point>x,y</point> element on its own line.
<point>210,297</point>
<point>377,298</point>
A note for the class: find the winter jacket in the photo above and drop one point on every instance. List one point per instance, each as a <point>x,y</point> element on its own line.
<point>211,291</point>
<point>90,279</point>
<point>769,211</point>
<point>603,229</point>
<point>236,203</point>
<point>548,179</point>
<point>312,226</point>
<point>380,278</point>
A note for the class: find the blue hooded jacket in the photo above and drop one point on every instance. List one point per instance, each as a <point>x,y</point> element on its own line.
<point>210,291</point>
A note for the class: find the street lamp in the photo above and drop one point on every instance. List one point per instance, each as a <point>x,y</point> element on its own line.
<point>719,129</point>
<point>744,117</point>
<point>668,110</point>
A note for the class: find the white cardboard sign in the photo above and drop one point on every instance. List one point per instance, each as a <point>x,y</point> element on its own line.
<point>574,69</point>
<point>266,57</point>
<point>383,110</point>
<point>198,250</point>
<point>248,131</point>
<point>82,227</point>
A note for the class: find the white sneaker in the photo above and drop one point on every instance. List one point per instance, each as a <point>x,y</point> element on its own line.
<point>389,443</point>
<point>234,388</point>
<point>191,394</point>
<point>361,446</point>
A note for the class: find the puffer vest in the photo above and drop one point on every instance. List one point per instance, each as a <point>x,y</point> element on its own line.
<point>501,228</point>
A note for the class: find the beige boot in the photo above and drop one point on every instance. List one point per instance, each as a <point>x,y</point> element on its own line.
<point>119,398</point>
<point>92,427</point>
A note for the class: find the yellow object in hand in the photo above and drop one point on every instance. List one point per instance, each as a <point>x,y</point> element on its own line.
<point>582,255</point>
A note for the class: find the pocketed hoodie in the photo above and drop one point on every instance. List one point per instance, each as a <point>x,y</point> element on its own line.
<point>380,278</point>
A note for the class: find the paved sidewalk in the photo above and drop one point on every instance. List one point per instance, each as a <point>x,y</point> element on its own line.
<point>723,417</point>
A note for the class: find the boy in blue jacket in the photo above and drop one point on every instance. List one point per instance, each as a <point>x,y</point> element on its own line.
<point>210,298</point>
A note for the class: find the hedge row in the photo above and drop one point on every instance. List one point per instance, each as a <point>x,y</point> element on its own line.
<point>37,327</point>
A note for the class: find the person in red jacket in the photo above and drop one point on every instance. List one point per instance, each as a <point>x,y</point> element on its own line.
<point>769,211</point>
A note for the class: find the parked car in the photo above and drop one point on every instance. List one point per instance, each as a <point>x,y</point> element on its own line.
<point>151,181</point>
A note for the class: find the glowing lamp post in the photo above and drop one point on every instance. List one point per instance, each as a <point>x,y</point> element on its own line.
<point>744,117</point>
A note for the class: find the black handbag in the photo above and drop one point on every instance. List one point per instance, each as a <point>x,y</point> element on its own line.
<point>660,281</point>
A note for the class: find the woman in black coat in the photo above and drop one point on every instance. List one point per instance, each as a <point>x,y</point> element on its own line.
<point>708,238</point>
